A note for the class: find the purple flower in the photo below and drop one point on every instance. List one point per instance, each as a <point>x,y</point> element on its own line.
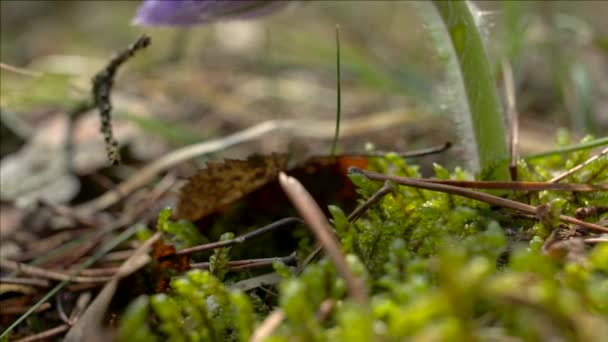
<point>193,12</point>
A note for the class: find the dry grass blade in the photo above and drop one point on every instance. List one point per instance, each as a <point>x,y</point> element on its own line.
<point>580,166</point>
<point>317,223</point>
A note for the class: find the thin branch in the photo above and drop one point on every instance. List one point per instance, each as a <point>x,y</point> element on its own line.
<point>317,223</point>
<point>21,71</point>
<point>238,265</point>
<point>524,186</point>
<point>595,240</point>
<point>240,239</point>
<point>478,196</point>
<point>45,335</point>
<point>411,154</point>
<point>386,189</point>
<point>334,144</point>
<point>48,274</point>
<point>579,166</point>
<point>25,281</point>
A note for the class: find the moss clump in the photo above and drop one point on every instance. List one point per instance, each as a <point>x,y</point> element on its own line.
<point>438,267</point>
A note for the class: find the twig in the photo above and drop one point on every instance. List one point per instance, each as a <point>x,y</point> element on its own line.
<point>386,189</point>
<point>268,279</point>
<point>48,274</point>
<point>45,335</point>
<point>317,223</point>
<point>411,154</point>
<point>102,87</point>
<point>268,326</point>
<point>334,144</point>
<point>325,309</point>
<point>237,265</point>
<point>595,240</point>
<point>240,239</point>
<point>69,213</point>
<point>513,116</point>
<point>21,71</point>
<point>25,281</point>
<point>579,166</point>
<point>478,196</point>
<point>21,309</point>
<point>524,186</point>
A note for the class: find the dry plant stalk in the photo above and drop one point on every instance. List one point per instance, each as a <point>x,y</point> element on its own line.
<point>319,226</point>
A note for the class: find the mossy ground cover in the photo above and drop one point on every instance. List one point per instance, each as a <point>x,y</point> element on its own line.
<point>438,267</point>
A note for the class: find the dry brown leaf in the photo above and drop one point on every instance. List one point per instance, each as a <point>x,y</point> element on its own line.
<point>222,183</point>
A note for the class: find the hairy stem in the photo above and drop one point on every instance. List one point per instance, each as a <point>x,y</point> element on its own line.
<point>484,105</point>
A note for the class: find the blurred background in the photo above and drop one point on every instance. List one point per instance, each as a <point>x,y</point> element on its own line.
<point>194,84</point>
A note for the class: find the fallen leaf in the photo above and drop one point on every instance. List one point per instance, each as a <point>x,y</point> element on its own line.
<point>212,189</point>
<point>222,183</point>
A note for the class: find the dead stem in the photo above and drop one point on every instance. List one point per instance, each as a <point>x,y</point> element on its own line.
<point>580,166</point>
<point>18,310</point>
<point>478,196</point>
<point>595,240</point>
<point>45,335</point>
<point>240,239</point>
<point>513,115</point>
<point>523,186</point>
<point>53,275</point>
<point>238,265</point>
<point>25,281</point>
<point>317,223</point>
<point>102,88</point>
<point>268,326</point>
<point>354,215</point>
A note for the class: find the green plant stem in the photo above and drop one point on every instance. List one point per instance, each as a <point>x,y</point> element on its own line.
<point>338,96</point>
<point>484,106</point>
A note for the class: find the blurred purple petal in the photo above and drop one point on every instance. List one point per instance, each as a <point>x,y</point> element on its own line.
<point>193,12</point>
